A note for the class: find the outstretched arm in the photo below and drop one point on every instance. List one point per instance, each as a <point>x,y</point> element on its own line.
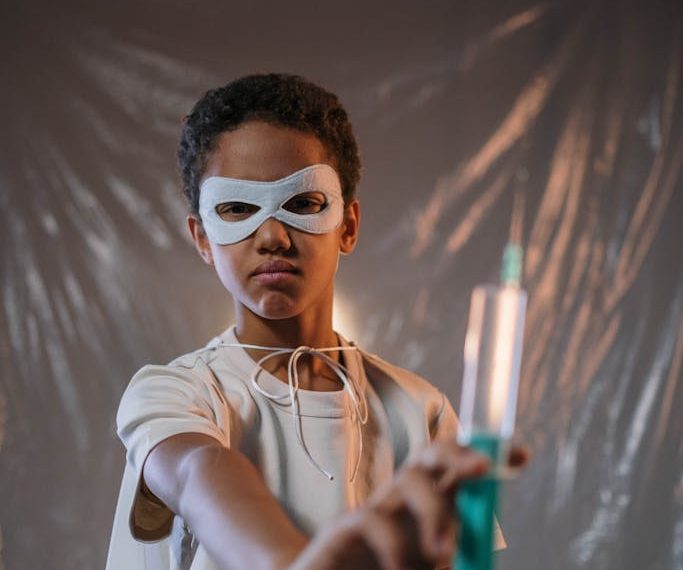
<point>224,500</point>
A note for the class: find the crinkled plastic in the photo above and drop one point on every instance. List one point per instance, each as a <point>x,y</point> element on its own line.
<point>577,105</point>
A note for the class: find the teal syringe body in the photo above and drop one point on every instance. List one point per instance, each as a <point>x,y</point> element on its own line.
<point>476,505</point>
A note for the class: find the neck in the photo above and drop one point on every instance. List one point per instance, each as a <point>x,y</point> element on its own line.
<point>315,331</point>
<point>312,328</point>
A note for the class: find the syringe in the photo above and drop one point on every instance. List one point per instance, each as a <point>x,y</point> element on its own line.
<point>493,352</point>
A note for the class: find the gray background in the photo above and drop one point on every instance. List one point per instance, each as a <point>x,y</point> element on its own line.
<point>456,105</point>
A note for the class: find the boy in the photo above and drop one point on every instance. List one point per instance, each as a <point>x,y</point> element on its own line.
<point>258,451</point>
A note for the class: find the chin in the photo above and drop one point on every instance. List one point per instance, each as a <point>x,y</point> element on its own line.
<point>276,307</point>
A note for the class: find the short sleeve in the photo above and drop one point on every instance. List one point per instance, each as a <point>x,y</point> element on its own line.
<point>159,402</point>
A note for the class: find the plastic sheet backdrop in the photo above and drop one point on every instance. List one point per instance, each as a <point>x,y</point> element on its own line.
<point>457,105</point>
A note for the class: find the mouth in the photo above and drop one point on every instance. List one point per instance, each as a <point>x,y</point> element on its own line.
<point>273,271</point>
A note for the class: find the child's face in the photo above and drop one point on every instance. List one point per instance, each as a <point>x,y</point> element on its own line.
<point>261,151</point>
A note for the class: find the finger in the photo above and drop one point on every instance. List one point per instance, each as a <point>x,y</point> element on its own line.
<point>430,508</point>
<point>448,542</point>
<point>443,455</point>
<point>454,463</point>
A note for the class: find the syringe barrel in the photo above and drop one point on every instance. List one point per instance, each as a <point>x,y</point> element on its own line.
<point>493,354</point>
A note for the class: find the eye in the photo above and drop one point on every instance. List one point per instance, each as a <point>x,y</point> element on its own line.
<point>306,203</point>
<point>235,211</point>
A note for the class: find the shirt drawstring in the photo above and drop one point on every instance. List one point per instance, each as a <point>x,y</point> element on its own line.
<point>360,406</point>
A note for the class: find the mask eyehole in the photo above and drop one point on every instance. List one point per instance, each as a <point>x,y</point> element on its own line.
<point>236,211</point>
<point>306,203</point>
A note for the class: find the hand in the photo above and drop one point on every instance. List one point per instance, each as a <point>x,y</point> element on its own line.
<point>409,521</point>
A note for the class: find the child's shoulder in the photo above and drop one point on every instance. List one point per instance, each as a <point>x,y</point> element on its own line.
<point>202,356</point>
<point>191,367</point>
<point>194,359</point>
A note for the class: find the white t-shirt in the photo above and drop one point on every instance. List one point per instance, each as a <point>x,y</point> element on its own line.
<point>209,391</point>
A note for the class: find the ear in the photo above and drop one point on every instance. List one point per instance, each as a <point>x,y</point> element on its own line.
<point>201,241</point>
<point>350,224</point>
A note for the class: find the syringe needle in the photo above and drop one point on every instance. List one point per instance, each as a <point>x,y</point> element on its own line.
<point>517,221</point>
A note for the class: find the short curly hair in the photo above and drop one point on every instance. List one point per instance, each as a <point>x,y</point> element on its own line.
<point>277,98</point>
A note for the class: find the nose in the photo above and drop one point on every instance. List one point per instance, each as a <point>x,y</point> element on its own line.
<point>272,235</point>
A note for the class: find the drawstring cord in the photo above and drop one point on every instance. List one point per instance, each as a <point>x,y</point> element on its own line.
<point>360,406</point>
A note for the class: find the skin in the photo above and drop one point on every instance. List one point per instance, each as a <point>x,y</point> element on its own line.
<point>406,523</point>
<point>299,311</point>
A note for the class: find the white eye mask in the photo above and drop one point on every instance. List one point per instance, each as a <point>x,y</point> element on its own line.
<point>270,197</point>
